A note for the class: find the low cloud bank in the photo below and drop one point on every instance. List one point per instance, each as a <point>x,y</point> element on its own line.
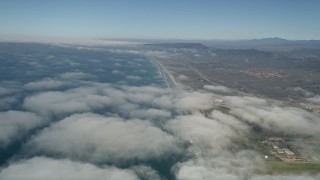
<point>16,124</point>
<point>98,96</point>
<point>273,116</point>
<point>45,84</point>
<point>201,131</point>
<point>315,99</point>
<point>40,168</point>
<point>131,130</point>
<point>217,89</point>
<point>76,75</point>
<point>100,139</point>
<point>221,165</point>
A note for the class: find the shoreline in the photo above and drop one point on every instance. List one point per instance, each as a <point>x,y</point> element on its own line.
<point>169,79</point>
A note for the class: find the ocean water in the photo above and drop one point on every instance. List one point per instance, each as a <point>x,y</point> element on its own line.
<point>28,69</point>
<point>25,62</point>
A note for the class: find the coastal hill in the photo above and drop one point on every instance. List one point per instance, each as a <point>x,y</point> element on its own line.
<point>274,43</point>
<point>179,45</point>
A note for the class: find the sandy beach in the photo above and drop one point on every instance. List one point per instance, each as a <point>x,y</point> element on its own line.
<point>168,77</point>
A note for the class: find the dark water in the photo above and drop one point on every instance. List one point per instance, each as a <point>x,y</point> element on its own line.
<point>22,63</point>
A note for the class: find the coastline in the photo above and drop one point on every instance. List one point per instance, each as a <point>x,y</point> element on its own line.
<point>169,79</point>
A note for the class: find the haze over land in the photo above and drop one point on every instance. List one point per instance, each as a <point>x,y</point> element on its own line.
<point>159,90</point>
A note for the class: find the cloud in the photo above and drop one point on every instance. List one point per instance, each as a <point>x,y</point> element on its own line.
<point>7,102</point>
<point>194,101</point>
<point>116,72</point>
<point>96,138</point>
<point>228,120</point>
<point>285,177</point>
<point>220,166</point>
<point>45,84</point>
<point>95,97</point>
<point>144,95</point>
<point>315,99</point>
<point>277,118</point>
<point>150,113</point>
<point>148,129</point>
<point>75,100</point>
<point>242,101</point>
<point>68,42</point>
<point>6,91</point>
<point>217,89</point>
<point>164,101</point>
<point>117,64</point>
<point>182,77</point>
<point>76,76</point>
<point>39,168</point>
<point>301,91</point>
<point>310,96</point>
<point>146,172</point>
<point>201,131</point>
<point>135,78</point>
<point>273,115</point>
<point>16,124</point>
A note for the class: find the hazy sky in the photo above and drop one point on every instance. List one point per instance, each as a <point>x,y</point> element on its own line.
<point>183,19</point>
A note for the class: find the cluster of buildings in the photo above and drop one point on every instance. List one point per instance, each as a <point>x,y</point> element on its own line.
<point>264,74</point>
<point>311,107</point>
<point>280,148</point>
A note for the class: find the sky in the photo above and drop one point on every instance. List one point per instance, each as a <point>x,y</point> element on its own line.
<point>162,19</point>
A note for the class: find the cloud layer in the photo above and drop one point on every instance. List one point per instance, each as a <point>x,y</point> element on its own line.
<point>16,124</point>
<point>273,116</point>
<point>39,168</point>
<point>96,138</point>
<point>102,113</point>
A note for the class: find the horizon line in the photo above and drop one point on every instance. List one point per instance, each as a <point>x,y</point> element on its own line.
<point>116,40</point>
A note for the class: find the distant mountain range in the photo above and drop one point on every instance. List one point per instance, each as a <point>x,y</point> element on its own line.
<point>178,45</point>
<point>264,43</point>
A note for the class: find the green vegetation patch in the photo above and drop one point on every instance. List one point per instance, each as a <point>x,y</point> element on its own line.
<point>275,167</point>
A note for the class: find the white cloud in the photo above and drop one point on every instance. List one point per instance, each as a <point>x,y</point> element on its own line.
<point>194,101</point>
<point>96,138</point>
<point>220,166</point>
<point>76,75</point>
<point>150,113</point>
<point>146,172</point>
<point>7,102</point>
<point>273,115</point>
<point>15,124</point>
<point>182,77</point>
<point>285,177</point>
<point>94,97</point>
<point>117,64</point>
<point>5,91</point>
<point>40,168</point>
<point>242,101</point>
<point>45,84</point>
<point>164,101</point>
<point>301,91</point>
<point>201,131</point>
<point>67,42</point>
<point>315,99</point>
<point>135,78</point>
<point>217,89</point>
<point>228,120</point>
<point>116,72</point>
<point>71,101</point>
<point>288,120</point>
